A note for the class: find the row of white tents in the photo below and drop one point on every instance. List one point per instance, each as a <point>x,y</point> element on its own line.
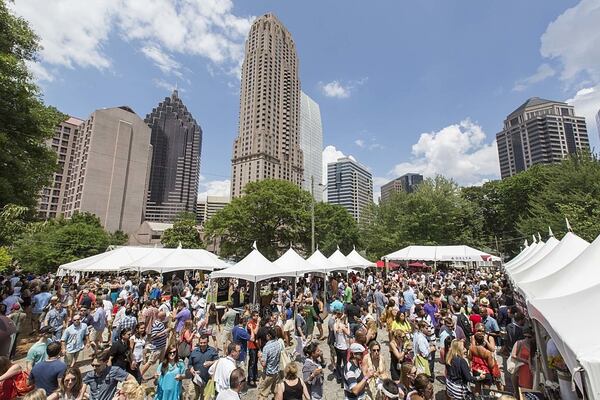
<point>254,267</point>
<point>460,253</point>
<point>560,283</point>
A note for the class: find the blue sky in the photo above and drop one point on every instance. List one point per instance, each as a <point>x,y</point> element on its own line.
<point>419,86</point>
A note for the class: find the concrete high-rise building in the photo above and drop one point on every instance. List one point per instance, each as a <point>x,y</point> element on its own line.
<point>53,197</point>
<point>405,183</point>
<point>539,131</point>
<point>110,169</point>
<point>598,122</point>
<point>175,170</point>
<point>350,185</point>
<point>208,207</point>
<point>311,143</point>
<point>268,143</point>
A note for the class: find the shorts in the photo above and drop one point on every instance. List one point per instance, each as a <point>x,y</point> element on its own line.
<point>71,358</point>
<point>96,336</point>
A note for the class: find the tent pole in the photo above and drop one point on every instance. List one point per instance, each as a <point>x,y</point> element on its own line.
<point>254,292</point>
<point>541,350</point>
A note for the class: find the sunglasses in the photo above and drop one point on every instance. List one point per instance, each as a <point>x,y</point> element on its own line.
<point>375,350</point>
<point>96,365</point>
<point>173,352</point>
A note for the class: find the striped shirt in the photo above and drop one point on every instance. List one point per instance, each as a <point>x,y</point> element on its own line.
<point>353,375</point>
<point>158,342</point>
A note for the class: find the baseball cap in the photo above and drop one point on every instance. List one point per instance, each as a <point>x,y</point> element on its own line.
<point>357,348</point>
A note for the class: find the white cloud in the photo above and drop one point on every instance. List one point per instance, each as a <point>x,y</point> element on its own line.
<point>166,85</point>
<point>574,39</point>
<point>73,33</point>
<point>457,151</point>
<point>162,60</point>
<point>339,90</point>
<point>213,188</point>
<point>543,72</point>
<point>40,73</point>
<point>587,103</point>
<point>360,143</point>
<point>335,89</point>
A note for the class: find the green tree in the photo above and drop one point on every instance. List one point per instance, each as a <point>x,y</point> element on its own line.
<point>47,245</point>
<point>183,232</point>
<point>26,163</point>
<point>334,226</point>
<point>5,259</point>
<point>571,190</point>
<point>13,222</point>
<point>435,213</point>
<point>274,213</point>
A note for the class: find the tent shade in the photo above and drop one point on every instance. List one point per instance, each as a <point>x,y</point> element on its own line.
<point>355,257</point>
<point>417,264</point>
<point>293,262</point>
<point>391,264</point>
<point>440,253</point>
<point>569,247</point>
<point>341,262</point>
<point>126,258</point>
<point>321,263</point>
<point>254,268</point>
<point>539,255</point>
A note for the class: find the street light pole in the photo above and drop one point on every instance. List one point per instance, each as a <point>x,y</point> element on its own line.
<point>312,214</point>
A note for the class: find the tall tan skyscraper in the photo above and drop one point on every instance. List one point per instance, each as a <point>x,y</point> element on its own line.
<point>110,169</point>
<point>268,143</point>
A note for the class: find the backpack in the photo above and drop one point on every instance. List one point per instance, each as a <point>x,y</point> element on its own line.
<point>465,325</point>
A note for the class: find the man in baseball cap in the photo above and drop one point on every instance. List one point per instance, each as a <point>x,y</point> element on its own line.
<point>355,382</point>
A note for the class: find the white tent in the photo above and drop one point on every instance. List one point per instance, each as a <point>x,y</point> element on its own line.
<point>571,324</point>
<point>569,247</point>
<point>322,264</point>
<point>534,248</point>
<point>183,259</point>
<point>254,268</point>
<point>355,257</point>
<point>341,262</point>
<point>440,253</point>
<point>293,262</point>
<point>581,273</point>
<point>550,244</point>
<point>519,256</point>
<point>126,258</point>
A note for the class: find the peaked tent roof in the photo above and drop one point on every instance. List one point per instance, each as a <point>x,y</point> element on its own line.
<point>254,268</point>
<point>340,260</point>
<point>185,259</point>
<point>568,249</point>
<point>321,263</point>
<point>550,244</point>
<point>354,256</point>
<point>534,249</point>
<point>440,253</point>
<point>293,262</point>
<point>518,257</point>
<point>581,273</point>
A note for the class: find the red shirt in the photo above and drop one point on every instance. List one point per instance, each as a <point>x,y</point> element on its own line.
<point>250,327</point>
<point>475,319</point>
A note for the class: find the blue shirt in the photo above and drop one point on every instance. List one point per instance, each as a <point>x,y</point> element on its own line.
<point>270,355</point>
<point>409,298</point>
<point>198,358</point>
<point>39,302</point>
<point>74,337</point>
<point>241,336</point>
<point>99,319</point>
<point>491,325</point>
<point>45,375</point>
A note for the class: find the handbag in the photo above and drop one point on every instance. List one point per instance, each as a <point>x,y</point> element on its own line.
<point>284,358</point>
<point>422,365</point>
<point>184,349</point>
<point>22,383</point>
<point>210,390</point>
<point>512,364</point>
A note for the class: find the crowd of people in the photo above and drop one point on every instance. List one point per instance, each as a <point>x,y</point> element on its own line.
<point>377,334</point>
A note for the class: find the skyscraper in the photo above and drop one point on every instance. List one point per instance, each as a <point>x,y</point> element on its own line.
<point>53,198</point>
<point>175,170</point>
<point>406,183</point>
<point>539,131</point>
<point>110,169</point>
<point>311,143</point>
<point>268,142</point>
<point>350,185</point>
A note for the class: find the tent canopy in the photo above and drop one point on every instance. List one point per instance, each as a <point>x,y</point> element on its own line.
<point>440,253</point>
<point>127,258</point>
<point>254,268</point>
<point>341,261</point>
<point>569,247</point>
<point>533,249</point>
<point>355,257</point>
<point>539,254</point>
<point>391,264</point>
<point>321,263</point>
<point>293,262</point>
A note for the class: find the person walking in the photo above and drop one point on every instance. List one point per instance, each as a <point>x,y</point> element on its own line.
<point>312,370</point>
<point>291,387</point>
<point>73,340</point>
<point>103,379</point>
<point>236,386</point>
<point>458,374</point>
<point>270,360</point>
<point>252,328</point>
<point>170,374</point>
<point>45,374</point>
<point>201,359</point>
<point>222,368</point>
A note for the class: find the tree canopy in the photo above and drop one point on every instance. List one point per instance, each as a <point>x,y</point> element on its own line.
<point>182,233</point>
<point>26,163</point>
<point>277,214</point>
<point>49,244</point>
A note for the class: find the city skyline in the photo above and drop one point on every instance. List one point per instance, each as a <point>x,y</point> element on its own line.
<point>436,104</point>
